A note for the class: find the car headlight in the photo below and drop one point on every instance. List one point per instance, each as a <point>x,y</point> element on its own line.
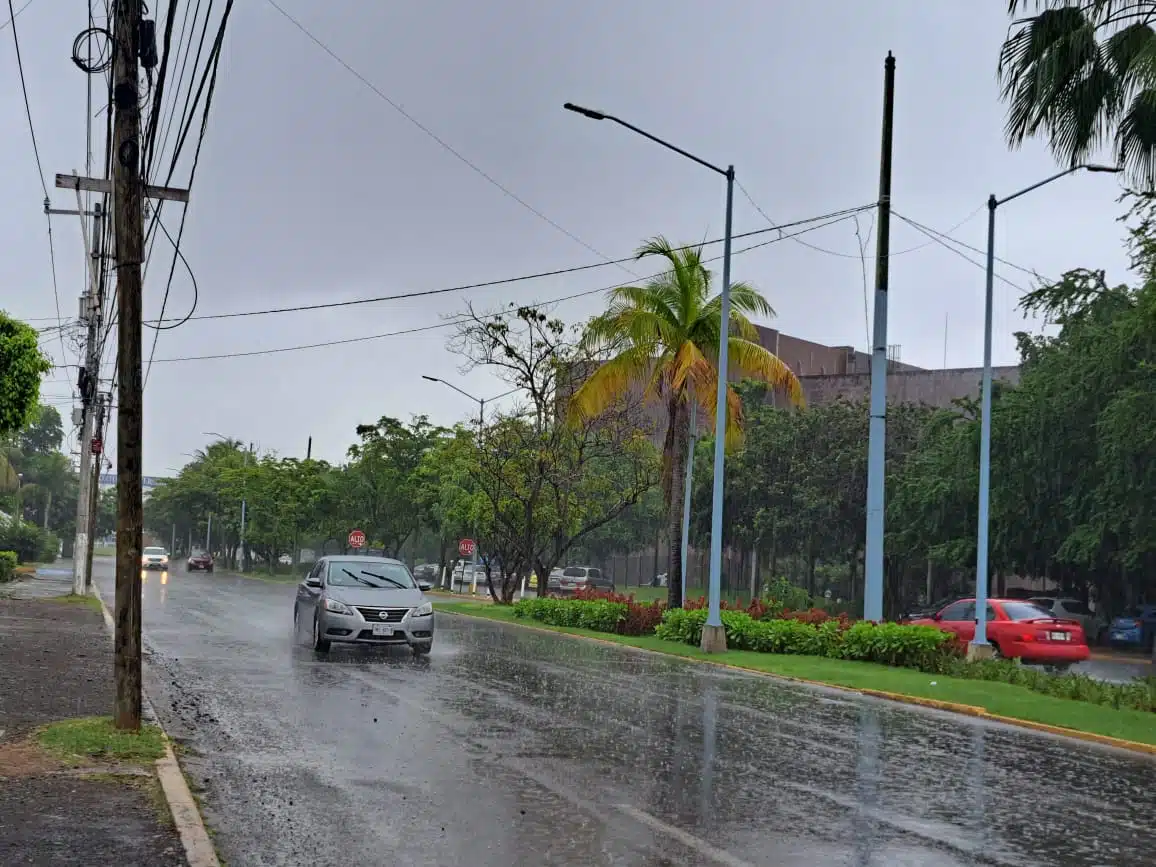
<point>423,610</point>
<point>337,607</point>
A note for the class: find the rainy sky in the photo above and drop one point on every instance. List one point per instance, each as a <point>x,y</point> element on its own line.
<point>313,188</point>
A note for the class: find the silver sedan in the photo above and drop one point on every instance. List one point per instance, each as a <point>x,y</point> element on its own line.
<point>364,600</point>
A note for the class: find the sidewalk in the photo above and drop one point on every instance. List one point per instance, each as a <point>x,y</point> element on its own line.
<point>56,664</point>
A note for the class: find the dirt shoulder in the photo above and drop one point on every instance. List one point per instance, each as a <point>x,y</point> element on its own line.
<point>56,664</point>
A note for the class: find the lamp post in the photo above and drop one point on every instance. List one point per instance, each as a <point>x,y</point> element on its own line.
<point>713,634</point>
<point>979,645</point>
<point>481,422</point>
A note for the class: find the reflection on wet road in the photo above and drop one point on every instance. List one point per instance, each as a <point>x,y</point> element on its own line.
<point>507,746</point>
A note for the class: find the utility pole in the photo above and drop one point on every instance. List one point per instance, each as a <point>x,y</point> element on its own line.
<point>94,491</point>
<point>876,448</point>
<point>90,314</point>
<point>128,201</point>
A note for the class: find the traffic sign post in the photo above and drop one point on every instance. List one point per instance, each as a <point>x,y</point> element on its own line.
<point>357,539</point>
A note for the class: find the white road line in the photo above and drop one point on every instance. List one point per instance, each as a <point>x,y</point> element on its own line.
<point>690,841</point>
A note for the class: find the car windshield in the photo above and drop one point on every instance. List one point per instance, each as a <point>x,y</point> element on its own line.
<point>1024,611</point>
<point>154,550</point>
<point>383,576</point>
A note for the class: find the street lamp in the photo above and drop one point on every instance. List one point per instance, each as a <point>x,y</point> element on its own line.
<point>713,635</point>
<point>481,402</point>
<point>979,645</point>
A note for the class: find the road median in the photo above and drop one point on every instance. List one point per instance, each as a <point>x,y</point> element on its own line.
<point>1002,702</point>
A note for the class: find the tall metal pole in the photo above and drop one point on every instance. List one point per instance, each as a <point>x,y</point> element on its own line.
<point>128,194</point>
<point>209,536</point>
<point>686,494</point>
<point>714,639</point>
<point>94,493</point>
<point>981,542</point>
<point>876,446</point>
<point>481,424</point>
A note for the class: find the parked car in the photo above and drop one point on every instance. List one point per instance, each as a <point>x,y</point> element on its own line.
<point>285,560</point>
<point>574,578</point>
<point>364,600</point>
<point>1094,625</point>
<point>200,562</point>
<point>1017,630</point>
<point>920,612</point>
<point>1135,628</point>
<point>154,558</point>
<point>426,572</point>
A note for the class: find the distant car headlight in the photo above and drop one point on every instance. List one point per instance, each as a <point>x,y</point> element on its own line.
<point>337,607</point>
<point>423,610</point>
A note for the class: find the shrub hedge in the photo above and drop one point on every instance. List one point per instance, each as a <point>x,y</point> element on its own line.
<point>8,564</point>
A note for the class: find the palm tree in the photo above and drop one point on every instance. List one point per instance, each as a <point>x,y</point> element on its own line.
<point>664,337</point>
<point>1082,73</point>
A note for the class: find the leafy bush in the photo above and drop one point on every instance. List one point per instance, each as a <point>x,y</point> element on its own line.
<point>598,615</point>
<point>29,542</point>
<point>7,565</point>
<point>641,617</point>
<point>922,647</point>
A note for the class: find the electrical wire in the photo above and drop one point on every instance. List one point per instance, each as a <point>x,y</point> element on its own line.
<point>846,212</point>
<point>211,68</point>
<point>12,15</point>
<point>457,320</point>
<point>396,106</point>
<point>927,230</point>
<point>946,243</point>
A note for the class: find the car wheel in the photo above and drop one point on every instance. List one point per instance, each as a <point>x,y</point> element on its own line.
<point>209,569</point>
<point>319,643</point>
<point>422,649</point>
<point>995,651</point>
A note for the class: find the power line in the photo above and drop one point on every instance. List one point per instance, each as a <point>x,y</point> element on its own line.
<point>846,212</point>
<point>946,242</point>
<point>442,142</point>
<point>213,64</point>
<point>927,230</point>
<point>12,15</point>
<point>27,105</point>
<point>456,320</point>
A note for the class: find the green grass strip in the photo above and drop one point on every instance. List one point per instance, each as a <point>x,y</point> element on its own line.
<point>78,741</point>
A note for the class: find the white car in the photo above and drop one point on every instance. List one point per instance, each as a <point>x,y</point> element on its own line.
<point>285,560</point>
<point>154,558</point>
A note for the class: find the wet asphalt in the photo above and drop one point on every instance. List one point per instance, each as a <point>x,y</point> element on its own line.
<point>507,746</point>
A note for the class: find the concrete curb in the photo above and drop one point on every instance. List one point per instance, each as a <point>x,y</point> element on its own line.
<point>199,849</point>
<point>936,704</point>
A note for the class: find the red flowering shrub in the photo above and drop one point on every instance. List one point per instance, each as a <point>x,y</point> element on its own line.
<point>641,617</point>
<point>815,616</point>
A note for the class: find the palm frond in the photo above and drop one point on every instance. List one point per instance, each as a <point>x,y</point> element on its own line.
<point>757,362</point>
<point>610,381</point>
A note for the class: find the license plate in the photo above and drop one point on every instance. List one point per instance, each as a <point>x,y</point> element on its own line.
<point>1119,636</point>
<point>382,629</point>
<point>1059,636</point>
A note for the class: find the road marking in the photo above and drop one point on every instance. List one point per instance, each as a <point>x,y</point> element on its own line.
<point>690,841</point>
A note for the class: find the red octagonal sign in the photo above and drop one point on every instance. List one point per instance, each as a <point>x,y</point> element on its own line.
<point>466,547</point>
<point>357,539</point>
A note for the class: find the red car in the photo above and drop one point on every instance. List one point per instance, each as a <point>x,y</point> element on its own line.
<point>1016,629</point>
<point>200,562</point>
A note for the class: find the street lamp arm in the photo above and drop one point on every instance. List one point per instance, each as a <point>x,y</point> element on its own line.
<point>477,400</point>
<point>598,115</point>
<point>1091,167</point>
<point>503,394</point>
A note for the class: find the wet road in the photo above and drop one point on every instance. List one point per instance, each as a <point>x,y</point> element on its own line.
<point>507,746</point>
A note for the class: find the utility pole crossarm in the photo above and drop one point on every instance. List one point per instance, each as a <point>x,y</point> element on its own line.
<point>103,185</point>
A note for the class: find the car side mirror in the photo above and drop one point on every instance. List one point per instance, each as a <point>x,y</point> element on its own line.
<point>312,582</point>
<point>423,586</point>
<point>936,616</point>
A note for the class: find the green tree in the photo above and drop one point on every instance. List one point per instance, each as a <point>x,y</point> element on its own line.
<point>22,366</point>
<point>1081,74</point>
<point>664,339</point>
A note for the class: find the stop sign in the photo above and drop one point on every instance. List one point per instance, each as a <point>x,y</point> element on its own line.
<point>466,547</point>
<point>356,539</point>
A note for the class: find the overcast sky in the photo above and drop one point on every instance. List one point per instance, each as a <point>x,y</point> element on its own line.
<point>312,188</point>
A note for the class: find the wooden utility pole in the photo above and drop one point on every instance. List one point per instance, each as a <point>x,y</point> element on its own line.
<point>128,200</point>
